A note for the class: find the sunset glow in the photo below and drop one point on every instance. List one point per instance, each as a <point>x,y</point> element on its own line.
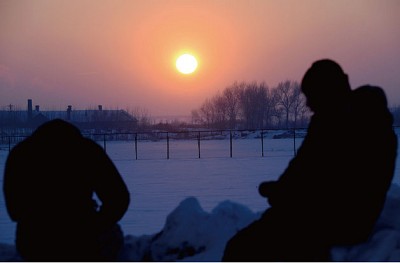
<point>123,54</point>
<point>186,64</point>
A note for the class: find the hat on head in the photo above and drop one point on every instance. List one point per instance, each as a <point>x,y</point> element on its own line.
<point>323,83</point>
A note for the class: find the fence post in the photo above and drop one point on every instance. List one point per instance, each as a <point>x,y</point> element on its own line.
<point>262,143</point>
<point>167,145</point>
<point>136,146</point>
<point>198,143</point>
<point>230,139</point>
<point>104,143</point>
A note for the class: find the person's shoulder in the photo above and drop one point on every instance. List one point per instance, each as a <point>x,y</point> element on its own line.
<point>370,97</point>
<point>22,146</point>
<point>91,145</point>
<point>370,107</point>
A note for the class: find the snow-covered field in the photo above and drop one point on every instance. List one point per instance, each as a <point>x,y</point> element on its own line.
<point>200,203</point>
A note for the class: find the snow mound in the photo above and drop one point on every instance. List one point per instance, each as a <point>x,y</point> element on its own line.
<point>191,234</point>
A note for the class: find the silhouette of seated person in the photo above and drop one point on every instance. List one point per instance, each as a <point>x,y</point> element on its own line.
<point>375,148</point>
<point>51,180</point>
<point>333,190</point>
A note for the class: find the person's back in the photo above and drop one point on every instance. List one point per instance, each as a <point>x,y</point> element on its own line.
<point>373,159</point>
<point>356,185</point>
<point>49,182</point>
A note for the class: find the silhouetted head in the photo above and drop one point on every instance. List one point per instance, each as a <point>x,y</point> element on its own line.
<point>370,97</point>
<point>56,132</point>
<point>325,86</point>
<point>370,105</point>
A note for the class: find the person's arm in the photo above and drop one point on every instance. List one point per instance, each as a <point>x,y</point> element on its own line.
<point>293,183</point>
<point>109,187</point>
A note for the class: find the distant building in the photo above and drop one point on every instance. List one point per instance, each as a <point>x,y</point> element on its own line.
<point>98,120</point>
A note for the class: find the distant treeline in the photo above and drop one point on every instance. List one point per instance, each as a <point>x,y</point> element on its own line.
<point>257,106</point>
<point>254,106</point>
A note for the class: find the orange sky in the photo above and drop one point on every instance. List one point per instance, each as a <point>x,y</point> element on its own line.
<point>121,54</point>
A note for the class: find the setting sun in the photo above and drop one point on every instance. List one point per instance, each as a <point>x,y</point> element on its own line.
<point>186,64</point>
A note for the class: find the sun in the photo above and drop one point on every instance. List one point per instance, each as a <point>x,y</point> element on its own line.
<point>186,63</point>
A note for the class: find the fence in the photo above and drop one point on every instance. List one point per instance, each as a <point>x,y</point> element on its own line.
<point>164,142</point>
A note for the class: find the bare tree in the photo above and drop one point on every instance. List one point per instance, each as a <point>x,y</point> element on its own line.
<point>268,105</point>
<point>231,96</point>
<point>142,116</point>
<point>253,100</point>
<point>247,103</point>
<point>299,103</point>
<point>196,119</point>
<point>220,111</point>
<point>254,105</point>
<point>206,113</point>
<point>286,97</point>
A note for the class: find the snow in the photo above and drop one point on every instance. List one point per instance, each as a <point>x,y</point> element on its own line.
<point>185,208</point>
<point>191,234</point>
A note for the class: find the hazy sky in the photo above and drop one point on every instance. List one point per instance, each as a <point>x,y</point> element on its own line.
<point>121,54</point>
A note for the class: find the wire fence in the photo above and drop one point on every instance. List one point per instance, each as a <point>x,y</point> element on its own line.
<point>192,144</point>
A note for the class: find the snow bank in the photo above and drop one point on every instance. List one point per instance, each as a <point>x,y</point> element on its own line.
<point>192,234</point>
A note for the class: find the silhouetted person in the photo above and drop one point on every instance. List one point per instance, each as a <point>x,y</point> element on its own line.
<point>333,191</point>
<point>50,181</point>
<point>376,146</point>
